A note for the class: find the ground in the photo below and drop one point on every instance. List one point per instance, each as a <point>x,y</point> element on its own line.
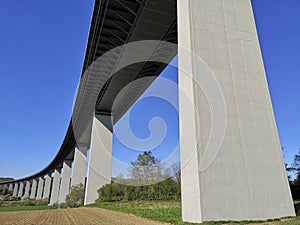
<point>170,212</point>
<point>79,216</point>
<point>130,212</point>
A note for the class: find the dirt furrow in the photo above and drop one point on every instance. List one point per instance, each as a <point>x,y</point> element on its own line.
<point>80,216</point>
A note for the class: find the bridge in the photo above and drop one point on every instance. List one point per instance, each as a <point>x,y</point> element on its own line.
<point>231,162</point>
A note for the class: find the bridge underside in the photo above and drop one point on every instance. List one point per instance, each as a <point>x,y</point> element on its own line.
<point>123,22</point>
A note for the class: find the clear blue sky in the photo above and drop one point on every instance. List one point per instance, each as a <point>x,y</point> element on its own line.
<point>42,46</point>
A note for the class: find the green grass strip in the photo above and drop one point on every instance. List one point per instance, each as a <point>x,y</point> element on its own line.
<point>170,212</point>
<point>25,208</point>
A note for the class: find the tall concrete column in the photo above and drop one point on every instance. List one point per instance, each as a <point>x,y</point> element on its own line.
<point>65,182</point>
<point>4,190</point>
<point>16,188</point>
<point>10,188</point>
<point>39,194</point>
<point>21,189</point>
<point>55,187</point>
<point>100,161</point>
<point>33,189</point>
<point>79,170</point>
<point>47,186</point>
<point>244,178</point>
<point>27,189</point>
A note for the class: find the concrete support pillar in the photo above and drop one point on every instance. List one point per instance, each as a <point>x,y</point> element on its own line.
<point>39,194</point>
<point>27,189</point>
<point>243,176</point>
<point>21,189</point>
<point>16,188</point>
<point>47,186</point>
<point>4,190</point>
<point>65,182</point>
<point>55,187</point>
<point>100,161</point>
<point>10,188</point>
<point>33,189</point>
<point>79,170</point>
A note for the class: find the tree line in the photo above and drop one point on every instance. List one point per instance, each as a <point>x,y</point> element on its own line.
<point>148,180</point>
<point>294,181</point>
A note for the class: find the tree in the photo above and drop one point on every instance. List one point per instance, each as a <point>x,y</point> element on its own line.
<point>4,179</point>
<point>76,196</point>
<point>111,192</point>
<point>295,184</point>
<point>148,181</point>
<point>146,169</point>
<point>296,163</point>
<point>177,172</point>
<point>289,170</point>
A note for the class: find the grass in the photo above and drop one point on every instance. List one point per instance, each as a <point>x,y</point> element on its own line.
<point>25,208</point>
<point>170,212</point>
<point>165,211</point>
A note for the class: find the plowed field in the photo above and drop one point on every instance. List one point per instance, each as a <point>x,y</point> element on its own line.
<point>80,216</point>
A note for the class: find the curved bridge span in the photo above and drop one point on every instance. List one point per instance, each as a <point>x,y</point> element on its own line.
<point>132,40</point>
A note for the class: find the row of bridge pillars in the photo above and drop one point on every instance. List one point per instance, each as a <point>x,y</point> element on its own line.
<point>34,188</point>
<point>56,185</point>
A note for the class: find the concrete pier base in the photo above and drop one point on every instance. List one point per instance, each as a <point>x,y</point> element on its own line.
<point>40,189</point>
<point>5,189</point>
<point>27,189</point>
<point>79,170</point>
<point>33,189</point>
<point>21,189</point>
<point>16,188</point>
<point>10,188</point>
<point>246,178</point>
<point>47,186</point>
<point>100,161</point>
<point>65,182</point>
<point>55,187</point>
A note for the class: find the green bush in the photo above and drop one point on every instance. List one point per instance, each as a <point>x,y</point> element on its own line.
<point>165,190</point>
<point>111,192</point>
<point>63,205</point>
<point>25,202</point>
<point>41,202</point>
<point>147,171</point>
<point>28,202</point>
<point>76,196</point>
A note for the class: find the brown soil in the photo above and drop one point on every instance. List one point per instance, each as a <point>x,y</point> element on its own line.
<point>81,216</point>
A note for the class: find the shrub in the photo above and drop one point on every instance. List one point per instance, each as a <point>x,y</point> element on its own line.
<point>41,202</point>
<point>165,190</point>
<point>111,192</point>
<point>26,202</point>
<point>76,196</point>
<point>63,205</point>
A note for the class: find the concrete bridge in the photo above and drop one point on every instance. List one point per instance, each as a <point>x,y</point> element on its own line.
<point>232,165</point>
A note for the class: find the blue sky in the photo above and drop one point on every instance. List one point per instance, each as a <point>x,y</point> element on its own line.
<point>278,24</point>
<point>155,102</point>
<point>42,46</point>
